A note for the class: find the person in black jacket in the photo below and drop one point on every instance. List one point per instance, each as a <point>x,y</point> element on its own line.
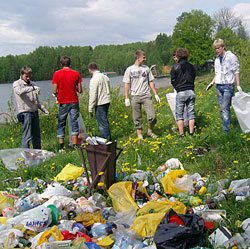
<point>182,78</point>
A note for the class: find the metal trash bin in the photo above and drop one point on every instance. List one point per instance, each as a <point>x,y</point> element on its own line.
<point>101,158</point>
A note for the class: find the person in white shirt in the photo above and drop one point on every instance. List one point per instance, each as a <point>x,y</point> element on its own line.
<point>99,99</point>
<point>227,72</point>
<point>139,79</point>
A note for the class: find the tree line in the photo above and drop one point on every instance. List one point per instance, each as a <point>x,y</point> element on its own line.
<point>194,30</point>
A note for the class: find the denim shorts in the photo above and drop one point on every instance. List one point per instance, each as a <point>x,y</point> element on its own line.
<point>73,110</point>
<point>185,98</point>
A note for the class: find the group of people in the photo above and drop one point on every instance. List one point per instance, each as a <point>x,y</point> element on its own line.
<point>138,80</point>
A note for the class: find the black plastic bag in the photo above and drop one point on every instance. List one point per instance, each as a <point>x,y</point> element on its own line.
<point>173,236</point>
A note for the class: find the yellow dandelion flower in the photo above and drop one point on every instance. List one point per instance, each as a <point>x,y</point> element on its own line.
<point>125,116</point>
<point>35,178</point>
<point>25,171</point>
<point>124,152</point>
<point>235,162</point>
<point>101,173</point>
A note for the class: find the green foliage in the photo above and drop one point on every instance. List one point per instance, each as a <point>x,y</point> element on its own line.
<point>44,61</point>
<point>193,31</point>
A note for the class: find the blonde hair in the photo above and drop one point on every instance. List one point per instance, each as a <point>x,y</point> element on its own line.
<point>218,43</point>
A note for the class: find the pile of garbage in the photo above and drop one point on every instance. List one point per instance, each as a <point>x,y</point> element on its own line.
<point>163,209</point>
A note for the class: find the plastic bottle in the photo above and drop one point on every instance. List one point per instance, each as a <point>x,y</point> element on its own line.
<point>99,229</point>
<point>122,242</point>
<point>210,188</point>
<point>163,167</point>
<point>7,210</point>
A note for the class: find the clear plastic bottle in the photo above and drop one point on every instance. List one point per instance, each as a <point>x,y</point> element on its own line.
<point>122,242</point>
<point>99,229</point>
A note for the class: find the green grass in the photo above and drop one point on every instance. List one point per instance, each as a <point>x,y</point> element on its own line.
<point>209,152</point>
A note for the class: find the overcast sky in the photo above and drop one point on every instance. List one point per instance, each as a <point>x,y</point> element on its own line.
<point>28,24</point>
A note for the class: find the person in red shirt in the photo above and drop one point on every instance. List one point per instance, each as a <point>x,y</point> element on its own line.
<point>66,84</point>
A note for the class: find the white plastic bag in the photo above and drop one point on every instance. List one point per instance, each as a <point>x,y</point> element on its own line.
<point>82,131</point>
<point>241,105</point>
<point>171,98</point>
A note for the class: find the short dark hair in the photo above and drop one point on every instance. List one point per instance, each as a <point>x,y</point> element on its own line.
<point>92,66</point>
<point>182,53</point>
<point>174,53</point>
<point>138,54</point>
<point>26,70</point>
<point>65,61</point>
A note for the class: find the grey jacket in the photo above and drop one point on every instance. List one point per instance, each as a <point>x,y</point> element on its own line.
<point>26,96</point>
<point>99,90</point>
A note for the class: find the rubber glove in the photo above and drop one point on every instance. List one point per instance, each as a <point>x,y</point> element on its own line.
<point>127,102</point>
<point>44,110</point>
<point>157,98</point>
<point>239,89</point>
<point>209,86</point>
<point>37,90</point>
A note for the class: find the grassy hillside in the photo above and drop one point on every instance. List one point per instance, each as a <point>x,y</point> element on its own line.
<point>209,152</point>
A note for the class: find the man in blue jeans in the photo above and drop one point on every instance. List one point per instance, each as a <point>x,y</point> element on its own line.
<point>182,78</point>
<point>227,71</point>
<point>66,84</point>
<point>26,94</point>
<point>99,99</point>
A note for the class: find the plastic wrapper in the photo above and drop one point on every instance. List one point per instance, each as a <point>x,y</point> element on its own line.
<point>36,219</point>
<point>240,187</point>
<point>20,157</point>
<point>9,237</point>
<point>241,105</point>
<point>69,172</point>
<point>185,183</point>
<point>141,176</point>
<point>82,131</point>
<point>122,218</point>
<point>55,190</point>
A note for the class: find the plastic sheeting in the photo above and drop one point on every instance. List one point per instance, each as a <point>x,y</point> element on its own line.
<point>20,157</point>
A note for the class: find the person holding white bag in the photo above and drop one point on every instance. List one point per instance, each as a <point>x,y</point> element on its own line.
<point>227,71</point>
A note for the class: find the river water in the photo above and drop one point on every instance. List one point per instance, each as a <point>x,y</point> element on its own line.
<point>46,90</point>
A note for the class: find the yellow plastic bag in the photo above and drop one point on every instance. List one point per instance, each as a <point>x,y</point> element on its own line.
<point>168,181</point>
<point>121,198</point>
<point>149,216</point>
<point>53,232</point>
<point>106,242</point>
<point>69,172</point>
